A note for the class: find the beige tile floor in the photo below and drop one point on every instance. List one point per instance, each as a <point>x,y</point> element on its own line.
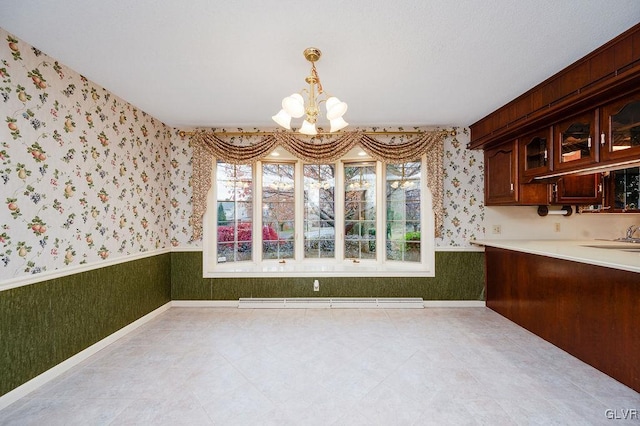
<point>434,366</point>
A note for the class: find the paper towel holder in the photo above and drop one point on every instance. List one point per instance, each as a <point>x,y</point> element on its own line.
<point>564,211</point>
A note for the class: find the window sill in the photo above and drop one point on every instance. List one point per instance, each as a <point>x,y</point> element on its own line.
<point>319,268</point>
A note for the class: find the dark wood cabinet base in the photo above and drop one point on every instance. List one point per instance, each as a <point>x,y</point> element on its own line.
<point>589,311</point>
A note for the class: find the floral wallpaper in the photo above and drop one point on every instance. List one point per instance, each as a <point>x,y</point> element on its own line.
<point>180,169</point>
<point>84,175</point>
<point>463,191</point>
<point>87,177</point>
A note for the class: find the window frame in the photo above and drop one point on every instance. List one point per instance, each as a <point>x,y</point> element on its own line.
<point>317,267</point>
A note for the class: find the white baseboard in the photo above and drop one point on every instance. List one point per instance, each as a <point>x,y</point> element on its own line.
<point>234,304</point>
<point>28,387</point>
<point>455,304</point>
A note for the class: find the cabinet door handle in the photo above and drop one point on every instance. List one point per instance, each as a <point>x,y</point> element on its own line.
<point>602,137</point>
<point>545,154</point>
<point>511,186</point>
<point>589,142</point>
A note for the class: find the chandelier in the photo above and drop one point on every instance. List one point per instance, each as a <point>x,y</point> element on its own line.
<point>294,106</point>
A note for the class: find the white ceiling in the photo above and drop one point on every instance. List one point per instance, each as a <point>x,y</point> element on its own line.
<point>229,63</point>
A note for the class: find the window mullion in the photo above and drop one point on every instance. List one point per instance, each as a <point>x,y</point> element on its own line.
<point>381,213</point>
<point>426,218</point>
<point>339,212</point>
<point>257,212</point>
<point>213,247</point>
<point>299,212</point>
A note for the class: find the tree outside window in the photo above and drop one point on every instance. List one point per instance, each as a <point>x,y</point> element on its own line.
<point>319,210</point>
<point>278,211</point>
<point>234,193</point>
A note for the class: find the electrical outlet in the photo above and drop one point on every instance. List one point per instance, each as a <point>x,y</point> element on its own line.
<point>556,226</point>
<point>497,229</point>
<point>316,285</point>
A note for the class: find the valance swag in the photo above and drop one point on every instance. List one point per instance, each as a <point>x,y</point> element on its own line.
<point>209,145</point>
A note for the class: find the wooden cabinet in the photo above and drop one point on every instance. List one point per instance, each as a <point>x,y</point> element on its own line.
<point>622,189</point>
<point>502,183</point>
<point>577,189</point>
<point>620,129</point>
<point>585,119</point>
<point>589,311</point>
<point>536,154</point>
<point>574,141</point>
<point>602,75</point>
<point>500,175</point>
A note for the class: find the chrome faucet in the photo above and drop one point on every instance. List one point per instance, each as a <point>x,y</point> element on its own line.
<point>631,230</point>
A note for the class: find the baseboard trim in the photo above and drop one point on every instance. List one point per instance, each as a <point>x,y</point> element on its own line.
<point>234,304</point>
<point>455,304</point>
<point>28,387</point>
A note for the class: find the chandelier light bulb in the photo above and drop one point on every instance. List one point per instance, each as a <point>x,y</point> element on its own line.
<point>338,124</point>
<point>308,128</point>
<point>294,105</point>
<point>335,108</point>
<point>283,119</point>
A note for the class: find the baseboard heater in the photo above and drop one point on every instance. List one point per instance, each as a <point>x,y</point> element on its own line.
<point>332,303</point>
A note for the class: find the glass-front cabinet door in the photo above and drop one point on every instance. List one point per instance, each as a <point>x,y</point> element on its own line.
<point>625,190</point>
<point>535,149</point>
<point>620,129</point>
<point>575,142</point>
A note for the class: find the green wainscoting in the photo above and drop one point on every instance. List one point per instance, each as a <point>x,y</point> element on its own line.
<point>45,323</point>
<point>459,276</point>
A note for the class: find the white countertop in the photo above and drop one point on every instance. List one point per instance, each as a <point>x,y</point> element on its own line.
<point>576,250</point>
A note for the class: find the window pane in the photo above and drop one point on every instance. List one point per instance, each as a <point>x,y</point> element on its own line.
<point>319,248</point>
<point>403,212</point>
<point>225,252</point>
<point>234,212</point>
<point>319,213</point>
<point>278,210</point>
<point>360,211</point>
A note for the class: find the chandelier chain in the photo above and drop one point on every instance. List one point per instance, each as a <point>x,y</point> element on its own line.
<point>314,73</point>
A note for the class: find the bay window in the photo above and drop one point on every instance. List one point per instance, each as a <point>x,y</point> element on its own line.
<point>284,217</point>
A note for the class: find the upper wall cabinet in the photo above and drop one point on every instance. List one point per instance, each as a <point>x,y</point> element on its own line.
<point>574,142</point>
<point>577,189</point>
<point>624,190</point>
<point>584,120</point>
<point>536,155</point>
<point>502,185</point>
<point>500,175</point>
<point>620,129</point>
<point>602,76</point>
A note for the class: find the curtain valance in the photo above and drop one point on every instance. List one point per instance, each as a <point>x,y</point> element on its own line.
<point>324,149</point>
